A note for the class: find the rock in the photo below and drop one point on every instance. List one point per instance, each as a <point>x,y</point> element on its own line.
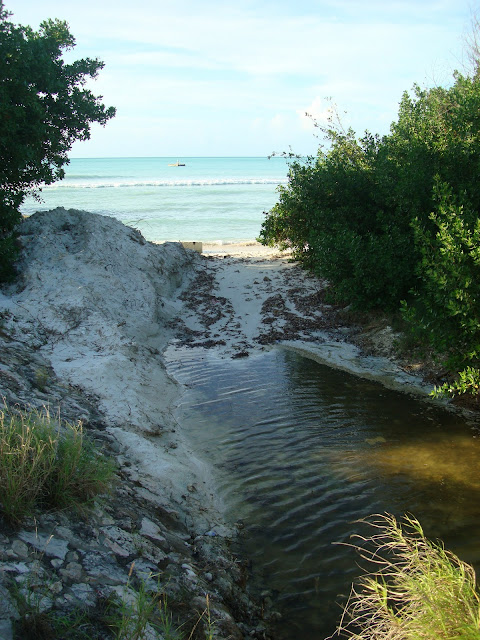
<point>189,573</point>
<point>102,569</point>
<point>49,545</point>
<point>125,594</point>
<point>103,517</point>
<point>6,630</point>
<point>119,541</point>
<point>16,567</point>
<point>72,572</point>
<point>7,607</point>
<point>150,530</point>
<point>39,602</point>
<point>117,549</point>
<point>56,587</point>
<point>153,553</point>
<point>85,594</point>
<point>199,603</point>
<point>148,574</point>
<point>20,549</point>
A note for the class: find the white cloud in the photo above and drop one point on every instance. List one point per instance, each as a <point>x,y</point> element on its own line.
<point>319,110</point>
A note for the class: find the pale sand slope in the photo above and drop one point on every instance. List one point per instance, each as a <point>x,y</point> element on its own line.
<point>101,304</point>
<point>96,299</point>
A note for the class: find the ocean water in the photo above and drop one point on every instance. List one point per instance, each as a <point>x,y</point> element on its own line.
<point>208,199</point>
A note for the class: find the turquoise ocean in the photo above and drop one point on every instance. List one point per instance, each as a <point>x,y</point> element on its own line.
<point>208,199</point>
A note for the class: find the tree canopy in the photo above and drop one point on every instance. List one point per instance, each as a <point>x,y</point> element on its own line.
<point>45,107</point>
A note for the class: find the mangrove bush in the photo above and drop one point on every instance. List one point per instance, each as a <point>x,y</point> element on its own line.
<point>392,221</point>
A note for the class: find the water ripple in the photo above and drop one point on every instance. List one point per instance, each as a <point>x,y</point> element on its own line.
<point>303,451</point>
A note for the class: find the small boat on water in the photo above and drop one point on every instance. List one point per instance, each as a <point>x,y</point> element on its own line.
<point>176,164</point>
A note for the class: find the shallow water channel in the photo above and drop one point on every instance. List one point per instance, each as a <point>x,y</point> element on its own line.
<point>302,451</point>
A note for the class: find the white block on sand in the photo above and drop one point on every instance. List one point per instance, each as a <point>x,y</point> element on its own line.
<point>194,246</point>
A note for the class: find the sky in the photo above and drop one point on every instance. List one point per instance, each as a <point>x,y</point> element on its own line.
<point>212,78</point>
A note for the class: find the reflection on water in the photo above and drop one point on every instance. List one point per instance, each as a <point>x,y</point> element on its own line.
<point>450,460</point>
<point>303,451</point>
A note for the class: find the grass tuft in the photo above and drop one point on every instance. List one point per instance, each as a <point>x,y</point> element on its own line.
<point>46,464</point>
<point>419,590</point>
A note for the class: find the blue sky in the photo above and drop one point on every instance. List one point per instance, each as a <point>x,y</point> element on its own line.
<point>203,77</point>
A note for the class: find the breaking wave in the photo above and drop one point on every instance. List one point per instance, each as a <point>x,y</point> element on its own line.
<point>105,184</point>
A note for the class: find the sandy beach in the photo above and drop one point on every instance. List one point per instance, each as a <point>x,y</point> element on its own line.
<point>250,249</point>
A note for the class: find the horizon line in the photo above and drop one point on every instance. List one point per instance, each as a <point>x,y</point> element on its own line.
<point>272,155</point>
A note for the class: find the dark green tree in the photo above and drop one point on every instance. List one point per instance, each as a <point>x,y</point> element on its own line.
<point>44,108</point>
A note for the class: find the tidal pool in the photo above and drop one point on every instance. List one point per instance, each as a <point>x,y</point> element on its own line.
<point>303,451</point>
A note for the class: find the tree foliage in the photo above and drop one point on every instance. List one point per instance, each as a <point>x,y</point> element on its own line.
<point>45,107</point>
<point>393,221</point>
<point>445,309</point>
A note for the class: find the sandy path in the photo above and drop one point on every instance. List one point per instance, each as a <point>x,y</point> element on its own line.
<point>239,304</point>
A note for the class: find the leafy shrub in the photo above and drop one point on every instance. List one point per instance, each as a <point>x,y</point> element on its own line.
<point>445,309</point>
<point>349,213</point>
<point>332,216</point>
<point>393,222</point>
<point>467,382</point>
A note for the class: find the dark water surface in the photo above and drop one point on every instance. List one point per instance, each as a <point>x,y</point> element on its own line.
<point>303,450</point>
